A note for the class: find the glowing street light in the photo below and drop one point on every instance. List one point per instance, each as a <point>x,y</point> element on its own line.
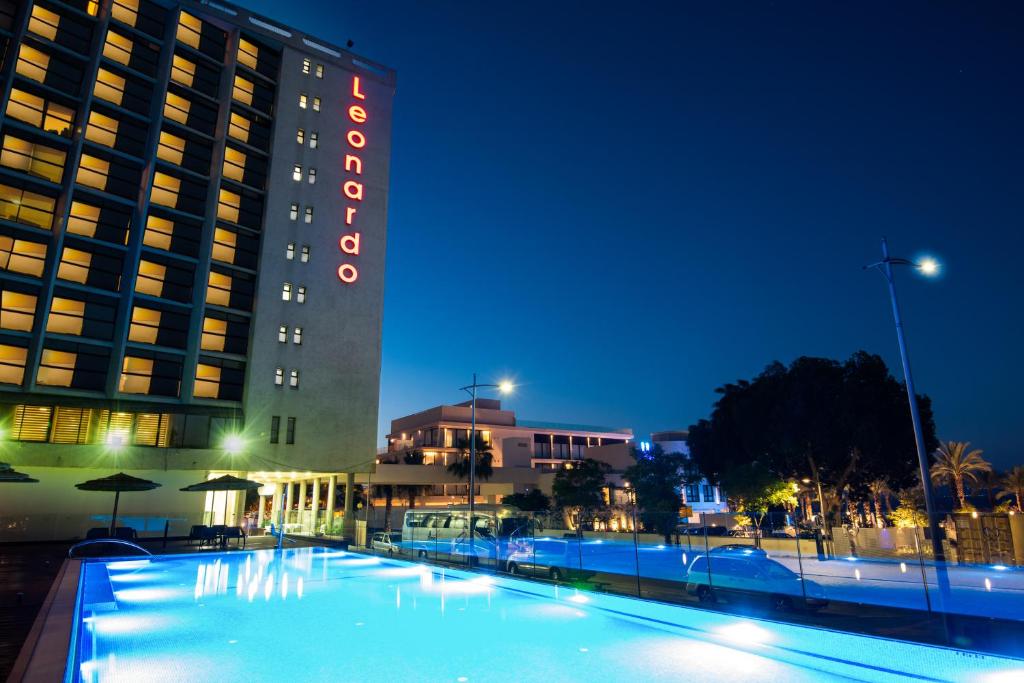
<point>928,266</point>
<point>233,444</point>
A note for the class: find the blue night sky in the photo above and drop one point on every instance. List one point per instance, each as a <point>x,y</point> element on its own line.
<point>625,205</point>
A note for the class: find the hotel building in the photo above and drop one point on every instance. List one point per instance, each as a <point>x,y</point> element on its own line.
<point>701,497</point>
<point>192,232</point>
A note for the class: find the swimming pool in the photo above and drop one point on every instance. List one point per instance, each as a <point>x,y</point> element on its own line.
<point>315,614</point>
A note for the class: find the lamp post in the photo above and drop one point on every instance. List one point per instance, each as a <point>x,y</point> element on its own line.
<point>504,387</point>
<point>927,267</point>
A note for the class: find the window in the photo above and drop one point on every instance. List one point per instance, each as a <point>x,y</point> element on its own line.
<point>305,253</point>
<point>176,108</point>
<point>297,335</point>
<point>45,115</point>
<point>243,90</point>
<point>74,265</point>
<point>145,325</point>
<point>125,10</point>
<point>248,54</point>
<point>309,214</point>
<point>93,172</point>
<point>302,100</point>
<point>293,212</point>
<point>215,332</point>
<point>56,368</point>
<point>118,48</point>
<point>189,30</point>
<point>66,316</point>
<point>165,190</point>
<point>224,243</point>
<point>44,22</point>
<point>228,206</point>
<point>300,295</point>
<point>279,376</point>
<point>290,434</point>
<point>293,381</point>
<point>17,311</point>
<point>316,104</point>
<point>27,208</point>
<point>218,289</point>
<point>300,136</point>
<point>22,256</point>
<point>234,164</point>
<point>207,381</point>
<point>312,176</point>
<point>159,232</point>
<point>314,139</point>
<point>110,87</point>
<point>286,291</point>
<point>150,279</point>
<point>33,63</point>
<point>12,364</point>
<point>239,126</point>
<point>171,148</point>
<point>275,428</point>
<point>305,65</point>
<point>289,252</point>
<point>32,158</point>
<point>183,71</point>
<point>709,493</point>
<point>693,493</point>
<point>296,172</point>
<point>101,129</point>
<point>282,334</point>
<point>319,70</point>
<point>136,374</point>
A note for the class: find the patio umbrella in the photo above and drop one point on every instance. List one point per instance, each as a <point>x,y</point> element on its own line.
<point>225,483</point>
<point>8,475</point>
<point>117,483</point>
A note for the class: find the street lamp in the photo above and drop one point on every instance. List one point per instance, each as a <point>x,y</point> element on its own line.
<point>504,387</point>
<point>928,267</point>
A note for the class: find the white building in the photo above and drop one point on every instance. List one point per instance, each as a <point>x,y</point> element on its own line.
<point>701,497</point>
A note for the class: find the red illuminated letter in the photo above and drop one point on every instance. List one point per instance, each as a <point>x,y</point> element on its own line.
<point>347,273</point>
<point>356,139</point>
<point>353,190</point>
<point>353,162</point>
<point>350,244</point>
<point>350,213</point>
<point>357,113</point>
<point>355,89</point>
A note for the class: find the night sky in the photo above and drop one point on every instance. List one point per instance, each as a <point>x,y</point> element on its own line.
<point>626,205</point>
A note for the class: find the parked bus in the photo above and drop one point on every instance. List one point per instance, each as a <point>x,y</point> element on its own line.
<point>443,533</point>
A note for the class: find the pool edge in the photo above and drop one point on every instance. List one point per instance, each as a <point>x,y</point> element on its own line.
<point>44,654</point>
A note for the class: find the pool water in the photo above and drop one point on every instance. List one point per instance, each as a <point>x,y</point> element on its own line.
<point>314,614</point>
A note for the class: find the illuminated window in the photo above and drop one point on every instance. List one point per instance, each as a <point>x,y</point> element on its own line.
<point>289,252</point>
<point>56,368</point>
<point>314,139</point>
<point>305,253</point>
<point>145,325</point>
<point>183,71</point>
<point>286,291</point>
<point>297,173</point>
<point>238,128</point>
<point>312,176</point>
<point>207,381</point>
<point>28,208</point>
<point>290,433</point>
<point>102,129</point>
<point>228,206</point>
<point>31,423</point>
<point>17,311</point>
<point>294,379</point>
<point>74,265</point>
<point>306,63</point>
<point>218,289</point>
<point>22,256</point>
<point>32,63</point>
<point>282,333</point>
<point>171,148</point>
<point>44,22</point>
<point>319,70</point>
<point>109,86</point>
<point>176,108</point>
<point>67,316</point>
<point>118,48</point>
<point>302,99</point>
<point>159,232</point>
<point>165,190</point>
<point>45,115</point>
<point>150,279</point>
<point>316,104</point>
<point>224,242</point>
<point>152,429</point>
<point>248,54</point>
<point>189,30</point>
<point>300,136</point>
<point>293,212</point>
<point>12,367</point>
<point>234,164</point>
<point>136,375</point>
<point>84,219</point>
<point>125,11</point>
<point>215,332</point>
<point>297,335</point>
<point>92,172</point>
<point>33,158</point>
<point>243,90</point>
<point>309,214</point>
<point>278,376</point>
<point>300,294</point>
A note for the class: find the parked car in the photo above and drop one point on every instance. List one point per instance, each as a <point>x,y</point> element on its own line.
<point>734,549</point>
<point>708,530</point>
<point>387,541</point>
<point>548,558</point>
<point>736,573</point>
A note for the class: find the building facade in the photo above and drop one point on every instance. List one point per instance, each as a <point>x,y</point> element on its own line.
<point>701,497</point>
<point>193,212</point>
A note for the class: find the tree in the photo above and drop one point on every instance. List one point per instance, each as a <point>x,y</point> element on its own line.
<point>657,478</point>
<point>533,500</point>
<point>880,490</point>
<point>388,491</point>
<point>910,511</point>
<point>484,458</point>
<point>1013,486</point>
<point>841,424</point>
<point>955,465</point>
<point>754,489</point>
<point>579,489</point>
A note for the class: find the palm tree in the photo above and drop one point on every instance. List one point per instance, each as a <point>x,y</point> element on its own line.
<point>955,465</point>
<point>411,491</point>
<point>388,491</point>
<point>879,489</point>
<point>460,467</point>
<point>1013,485</point>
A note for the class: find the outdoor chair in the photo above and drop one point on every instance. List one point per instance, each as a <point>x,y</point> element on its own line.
<point>236,533</point>
<point>199,532</point>
<point>218,533</point>
<point>97,532</point>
